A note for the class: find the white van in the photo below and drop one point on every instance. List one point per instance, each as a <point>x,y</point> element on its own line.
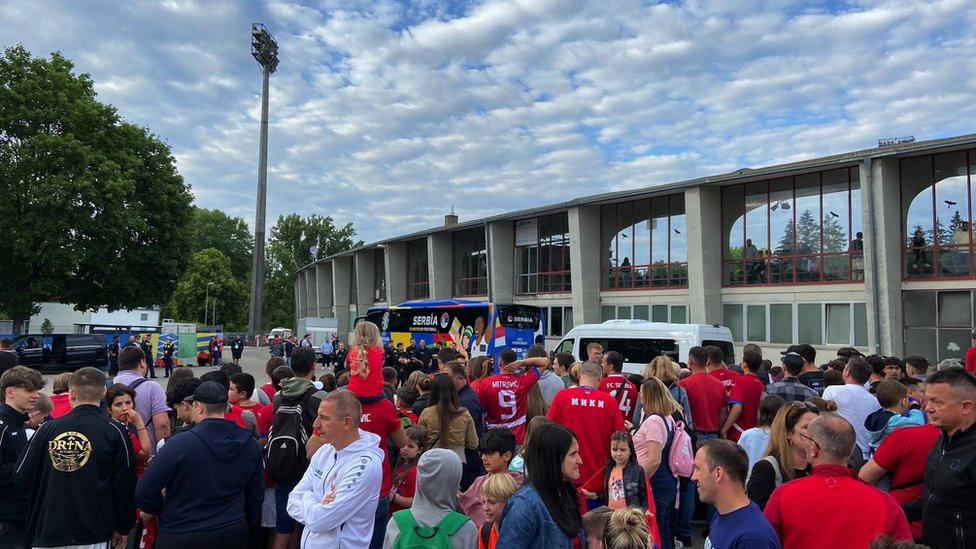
<point>639,341</point>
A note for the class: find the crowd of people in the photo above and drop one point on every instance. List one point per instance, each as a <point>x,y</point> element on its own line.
<point>416,446</point>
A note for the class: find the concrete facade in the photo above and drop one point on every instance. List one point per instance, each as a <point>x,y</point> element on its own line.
<point>872,299</point>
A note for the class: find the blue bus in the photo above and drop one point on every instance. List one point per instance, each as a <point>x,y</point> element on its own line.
<point>479,327</point>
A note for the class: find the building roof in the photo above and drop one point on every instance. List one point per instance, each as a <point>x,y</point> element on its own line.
<point>742,175</point>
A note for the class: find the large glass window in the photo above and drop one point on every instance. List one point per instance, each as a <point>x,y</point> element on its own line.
<point>788,323</point>
<point>418,274</point>
<point>470,263</point>
<point>936,195</point>
<point>542,255</point>
<point>938,324</point>
<point>793,230</point>
<point>645,243</point>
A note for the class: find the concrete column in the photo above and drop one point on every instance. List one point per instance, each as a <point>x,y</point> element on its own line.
<point>365,280</point>
<point>300,289</point>
<point>396,272</point>
<point>501,261</point>
<point>885,245</point>
<point>584,260</point>
<point>341,281</point>
<point>323,287</point>
<point>311,292</point>
<point>440,265</point>
<point>703,207</point>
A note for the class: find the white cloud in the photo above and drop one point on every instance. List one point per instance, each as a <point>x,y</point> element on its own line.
<point>387,113</point>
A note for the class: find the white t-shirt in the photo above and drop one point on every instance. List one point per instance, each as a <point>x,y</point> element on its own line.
<point>855,404</point>
<point>754,442</point>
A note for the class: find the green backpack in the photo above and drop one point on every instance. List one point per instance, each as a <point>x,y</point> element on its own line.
<point>413,536</point>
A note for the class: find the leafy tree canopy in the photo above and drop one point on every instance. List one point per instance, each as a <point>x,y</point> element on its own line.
<point>226,292</point>
<point>93,208</point>
<point>230,235</point>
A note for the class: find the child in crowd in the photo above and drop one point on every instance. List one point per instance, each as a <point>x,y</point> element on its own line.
<point>404,481</point>
<point>406,398</point>
<point>626,529</point>
<point>755,440</point>
<point>365,361</point>
<point>897,410</point>
<point>494,495</point>
<point>594,524</point>
<point>517,463</point>
<point>916,388</point>
<point>624,483</point>
<point>40,414</point>
<point>497,447</point>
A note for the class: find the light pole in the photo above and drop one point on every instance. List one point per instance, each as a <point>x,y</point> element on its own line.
<point>264,49</point>
<point>206,304</point>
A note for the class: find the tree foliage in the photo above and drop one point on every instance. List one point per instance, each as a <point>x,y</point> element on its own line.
<point>93,209</point>
<point>295,242</point>
<point>231,235</point>
<point>227,292</point>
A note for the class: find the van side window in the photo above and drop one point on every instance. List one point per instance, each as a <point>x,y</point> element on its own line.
<point>634,350</point>
<point>726,347</point>
<point>566,346</point>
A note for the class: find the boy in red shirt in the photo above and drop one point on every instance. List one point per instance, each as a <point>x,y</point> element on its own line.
<point>744,399</point>
<point>718,370</point>
<point>706,395</point>
<point>504,397</point>
<point>617,386</point>
<point>239,396</point>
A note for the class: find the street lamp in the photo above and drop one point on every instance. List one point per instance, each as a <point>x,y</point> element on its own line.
<point>264,49</point>
<point>206,304</point>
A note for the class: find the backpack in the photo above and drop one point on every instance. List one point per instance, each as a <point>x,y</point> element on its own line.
<point>109,382</point>
<point>284,455</point>
<point>681,458</point>
<point>414,536</point>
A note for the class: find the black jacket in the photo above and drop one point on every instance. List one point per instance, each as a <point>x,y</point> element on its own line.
<point>946,507</point>
<point>82,477</point>
<point>13,441</point>
<point>635,486</point>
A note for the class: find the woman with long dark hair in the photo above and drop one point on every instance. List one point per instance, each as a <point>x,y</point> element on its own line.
<point>545,513</point>
<point>448,424</point>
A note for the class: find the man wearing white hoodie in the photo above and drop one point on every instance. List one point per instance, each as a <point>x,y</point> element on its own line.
<point>336,499</point>
<point>438,476</point>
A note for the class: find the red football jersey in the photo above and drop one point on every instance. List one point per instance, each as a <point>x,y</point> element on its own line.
<point>747,391</point>
<point>504,399</point>
<point>628,401</point>
<point>592,415</point>
<point>727,377</point>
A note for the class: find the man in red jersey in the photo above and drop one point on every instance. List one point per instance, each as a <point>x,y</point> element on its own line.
<point>718,370</point>
<point>744,399</point>
<point>902,453</point>
<point>592,415</point>
<point>504,396</point>
<point>617,386</point>
<point>706,396</point>
<point>858,513</point>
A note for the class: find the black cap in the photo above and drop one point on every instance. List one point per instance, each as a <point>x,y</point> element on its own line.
<point>793,359</point>
<point>209,392</point>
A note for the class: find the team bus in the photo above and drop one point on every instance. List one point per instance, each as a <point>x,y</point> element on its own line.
<point>481,328</point>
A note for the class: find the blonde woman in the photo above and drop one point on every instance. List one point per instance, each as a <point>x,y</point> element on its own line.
<point>786,456</point>
<point>665,370</point>
<point>652,441</point>
<point>365,361</point>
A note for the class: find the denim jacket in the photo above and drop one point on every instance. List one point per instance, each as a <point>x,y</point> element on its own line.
<point>526,523</point>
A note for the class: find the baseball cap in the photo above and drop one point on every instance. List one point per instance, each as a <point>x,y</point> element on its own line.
<point>793,359</point>
<point>209,392</point>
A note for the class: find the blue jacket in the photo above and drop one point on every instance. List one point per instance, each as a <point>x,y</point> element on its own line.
<point>526,523</point>
<point>213,475</point>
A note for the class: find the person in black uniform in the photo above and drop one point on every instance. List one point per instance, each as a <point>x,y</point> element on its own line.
<point>168,351</point>
<point>237,349</point>
<point>113,357</point>
<point>21,386</point>
<point>339,357</point>
<point>83,452</point>
<point>146,346</point>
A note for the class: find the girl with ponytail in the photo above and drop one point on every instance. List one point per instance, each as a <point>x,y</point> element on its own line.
<point>365,361</point>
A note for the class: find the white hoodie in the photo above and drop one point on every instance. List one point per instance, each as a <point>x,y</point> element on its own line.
<point>354,475</point>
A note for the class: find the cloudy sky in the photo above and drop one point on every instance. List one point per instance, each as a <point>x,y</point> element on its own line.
<point>386,113</point>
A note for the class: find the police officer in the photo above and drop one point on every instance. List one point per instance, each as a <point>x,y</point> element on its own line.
<point>147,350</point>
<point>168,351</point>
<point>237,349</point>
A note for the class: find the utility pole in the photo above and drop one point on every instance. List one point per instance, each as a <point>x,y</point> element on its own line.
<point>264,49</point>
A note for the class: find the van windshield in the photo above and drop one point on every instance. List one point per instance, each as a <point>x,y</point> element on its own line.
<point>634,350</point>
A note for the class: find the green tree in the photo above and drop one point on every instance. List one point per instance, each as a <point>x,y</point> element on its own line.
<point>295,242</point>
<point>93,208</point>
<point>230,235</point>
<point>47,327</point>
<point>229,294</point>
<point>834,235</point>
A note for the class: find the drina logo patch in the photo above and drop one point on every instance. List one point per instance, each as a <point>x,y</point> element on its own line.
<point>69,451</point>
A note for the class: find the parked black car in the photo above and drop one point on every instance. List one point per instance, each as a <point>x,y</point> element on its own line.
<point>58,352</point>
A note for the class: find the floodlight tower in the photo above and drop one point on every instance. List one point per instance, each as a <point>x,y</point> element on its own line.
<point>264,49</point>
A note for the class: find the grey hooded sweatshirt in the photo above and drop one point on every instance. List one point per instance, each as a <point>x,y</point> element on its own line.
<point>438,478</point>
